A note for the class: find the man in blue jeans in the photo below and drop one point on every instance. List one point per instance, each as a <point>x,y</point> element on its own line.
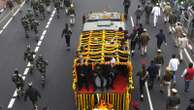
<point>188,76</point>
<point>173,65</point>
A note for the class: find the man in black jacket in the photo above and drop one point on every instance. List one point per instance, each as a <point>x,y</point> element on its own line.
<point>33,94</point>
<point>83,73</point>
<point>160,38</point>
<point>152,73</point>
<point>126,4</point>
<point>67,34</point>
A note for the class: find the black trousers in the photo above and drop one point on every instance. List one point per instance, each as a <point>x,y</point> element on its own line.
<point>81,82</point>
<point>159,43</point>
<point>67,39</point>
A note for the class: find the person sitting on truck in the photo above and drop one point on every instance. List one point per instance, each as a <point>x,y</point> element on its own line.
<point>83,71</point>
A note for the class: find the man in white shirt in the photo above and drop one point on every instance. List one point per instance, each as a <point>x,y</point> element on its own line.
<point>156,13</point>
<point>183,42</point>
<point>173,64</point>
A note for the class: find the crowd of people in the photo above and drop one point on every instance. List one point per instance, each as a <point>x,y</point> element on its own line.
<point>31,19</point>
<point>149,73</point>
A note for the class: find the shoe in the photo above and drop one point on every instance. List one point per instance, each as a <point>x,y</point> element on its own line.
<point>141,97</point>
<point>161,91</point>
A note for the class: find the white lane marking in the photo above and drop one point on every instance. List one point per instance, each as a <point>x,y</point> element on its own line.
<point>26,71</point>
<point>47,26</point>
<point>28,65</point>
<point>132,22</point>
<point>39,43</point>
<point>1,31</point>
<point>20,8</point>
<point>173,28</point>
<point>12,101</point>
<point>7,23</point>
<point>188,56</point>
<point>36,49</point>
<point>148,94</point>
<point>15,93</point>
<point>43,34</point>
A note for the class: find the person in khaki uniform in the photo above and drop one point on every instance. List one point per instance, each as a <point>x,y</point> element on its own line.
<point>172,21</point>
<point>183,42</point>
<point>159,61</point>
<point>165,83</point>
<point>144,38</point>
<point>167,12</point>
<point>178,32</point>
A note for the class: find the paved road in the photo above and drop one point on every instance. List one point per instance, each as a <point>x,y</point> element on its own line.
<point>58,93</point>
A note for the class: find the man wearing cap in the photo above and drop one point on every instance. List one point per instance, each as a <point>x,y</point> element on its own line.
<point>19,82</point>
<point>183,42</point>
<point>144,39</point>
<point>33,94</point>
<point>173,101</point>
<point>148,10</point>
<point>191,105</point>
<point>159,61</point>
<point>165,83</point>
<point>167,12</point>
<point>156,13</point>
<point>188,75</point>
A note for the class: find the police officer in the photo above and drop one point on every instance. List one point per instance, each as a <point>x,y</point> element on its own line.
<point>57,6</point>
<point>29,14</point>
<point>159,61</point>
<point>19,82</point>
<point>34,27</point>
<point>34,5</point>
<point>33,94</point>
<point>167,12</point>
<point>173,101</point>
<point>25,24</point>
<point>126,4</point>
<point>42,10</point>
<point>28,57</point>
<point>41,65</point>
<point>67,34</point>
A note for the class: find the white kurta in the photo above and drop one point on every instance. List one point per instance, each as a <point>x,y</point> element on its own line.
<point>156,13</point>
